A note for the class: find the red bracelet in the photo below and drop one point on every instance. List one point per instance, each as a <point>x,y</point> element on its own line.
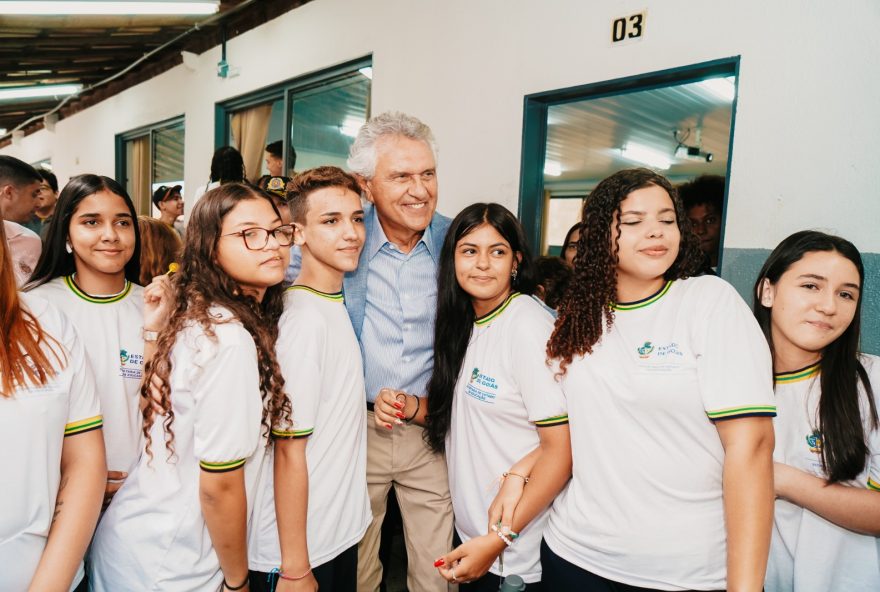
<point>284,576</point>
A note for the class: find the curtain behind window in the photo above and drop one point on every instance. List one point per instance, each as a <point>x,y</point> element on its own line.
<point>249,130</point>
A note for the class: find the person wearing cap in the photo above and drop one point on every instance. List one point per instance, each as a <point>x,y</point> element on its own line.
<point>169,202</point>
<point>276,187</point>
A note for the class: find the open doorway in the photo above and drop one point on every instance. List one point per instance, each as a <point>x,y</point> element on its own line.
<point>678,122</point>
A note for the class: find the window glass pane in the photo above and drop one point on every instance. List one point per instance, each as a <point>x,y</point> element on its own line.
<point>167,165</point>
<point>326,119</point>
<point>562,214</point>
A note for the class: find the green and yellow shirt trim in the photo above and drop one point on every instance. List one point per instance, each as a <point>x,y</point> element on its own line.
<point>68,280</point>
<point>622,306</point>
<point>496,312</point>
<point>873,484</point>
<point>747,411</point>
<point>292,434</point>
<point>552,421</point>
<point>84,425</point>
<point>335,296</point>
<point>797,375</point>
<point>221,467</point>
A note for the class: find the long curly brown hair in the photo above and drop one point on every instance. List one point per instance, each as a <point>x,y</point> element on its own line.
<point>201,284</point>
<point>587,307</point>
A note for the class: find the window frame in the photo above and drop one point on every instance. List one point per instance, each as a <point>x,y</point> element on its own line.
<point>139,132</point>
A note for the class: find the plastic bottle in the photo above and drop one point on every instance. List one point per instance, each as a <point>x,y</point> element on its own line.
<point>512,584</point>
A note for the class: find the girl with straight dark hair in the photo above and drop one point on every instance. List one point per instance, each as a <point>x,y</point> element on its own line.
<point>51,450</point>
<point>180,521</point>
<point>494,406</point>
<point>227,166</point>
<point>90,270</point>
<point>667,381</point>
<point>808,300</point>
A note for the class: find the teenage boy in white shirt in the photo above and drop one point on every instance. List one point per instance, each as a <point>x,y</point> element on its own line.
<point>320,484</point>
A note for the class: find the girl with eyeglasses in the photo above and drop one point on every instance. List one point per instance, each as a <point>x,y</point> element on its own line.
<point>808,300</point>
<point>180,521</point>
<point>667,380</point>
<point>89,270</point>
<point>51,449</point>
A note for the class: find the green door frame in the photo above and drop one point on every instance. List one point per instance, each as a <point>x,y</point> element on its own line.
<point>531,188</point>
<point>282,90</point>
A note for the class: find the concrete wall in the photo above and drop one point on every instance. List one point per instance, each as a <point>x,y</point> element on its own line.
<point>807,132</point>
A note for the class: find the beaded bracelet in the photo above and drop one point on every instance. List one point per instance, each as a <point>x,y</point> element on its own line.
<point>507,538</point>
<point>511,473</point>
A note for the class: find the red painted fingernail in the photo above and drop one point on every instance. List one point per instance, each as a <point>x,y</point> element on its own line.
<point>400,415</point>
<point>439,562</point>
<point>389,426</point>
<point>398,406</point>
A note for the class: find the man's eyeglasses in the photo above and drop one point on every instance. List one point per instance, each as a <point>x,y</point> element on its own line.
<point>257,238</point>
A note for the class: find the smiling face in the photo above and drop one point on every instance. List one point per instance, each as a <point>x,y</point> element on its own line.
<point>403,188</point>
<point>253,270</point>
<point>484,262</point>
<point>812,304</point>
<point>172,205</point>
<point>648,243</point>
<point>102,236</point>
<point>332,233</point>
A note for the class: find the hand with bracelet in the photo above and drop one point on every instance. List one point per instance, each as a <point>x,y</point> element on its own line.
<point>395,407</point>
<point>296,582</point>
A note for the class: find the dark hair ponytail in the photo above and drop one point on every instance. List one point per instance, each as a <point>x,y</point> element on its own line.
<point>844,442</point>
<point>455,313</point>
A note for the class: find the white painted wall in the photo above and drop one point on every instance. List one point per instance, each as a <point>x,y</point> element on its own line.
<point>807,134</point>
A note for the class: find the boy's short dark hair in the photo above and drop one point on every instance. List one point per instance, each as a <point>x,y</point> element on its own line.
<point>17,172</point>
<point>49,177</point>
<point>276,148</point>
<point>705,189</point>
<point>309,181</point>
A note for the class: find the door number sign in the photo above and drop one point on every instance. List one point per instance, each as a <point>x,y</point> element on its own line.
<point>629,28</point>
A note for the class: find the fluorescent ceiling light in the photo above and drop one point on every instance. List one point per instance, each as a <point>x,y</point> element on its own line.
<point>47,90</point>
<point>99,7</point>
<point>367,71</point>
<point>720,88</point>
<point>351,126</point>
<point>645,155</point>
<point>2,130</point>
<point>552,169</point>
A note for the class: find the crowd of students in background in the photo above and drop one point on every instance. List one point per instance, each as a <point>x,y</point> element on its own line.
<point>226,406</point>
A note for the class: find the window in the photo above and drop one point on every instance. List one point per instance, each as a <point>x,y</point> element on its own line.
<point>149,157</point>
<point>315,117</point>
<point>677,122</point>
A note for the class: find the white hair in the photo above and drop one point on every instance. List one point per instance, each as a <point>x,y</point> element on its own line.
<point>362,156</point>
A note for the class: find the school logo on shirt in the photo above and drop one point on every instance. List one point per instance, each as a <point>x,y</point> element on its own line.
<point>131,365</point>
<point>645,350</point>
<point>814,441</point>
<point>482,387</point>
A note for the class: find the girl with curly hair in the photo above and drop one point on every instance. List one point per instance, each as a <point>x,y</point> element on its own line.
<point>51,449</point>
<point>179,523</point>
<point>808,300</point>
<point>667,380</point>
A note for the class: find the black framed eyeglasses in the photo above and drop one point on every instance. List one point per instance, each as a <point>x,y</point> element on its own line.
<point>257,238</point>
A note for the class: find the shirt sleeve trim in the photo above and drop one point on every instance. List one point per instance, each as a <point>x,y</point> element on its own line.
<point>552,421</point>
<point>221,467</point>
<point>873,484</point>
<point>84,425</point>
<point>754,410</point>
<point>292,434</point>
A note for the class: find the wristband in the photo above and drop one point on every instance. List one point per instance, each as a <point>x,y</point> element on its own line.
<point>239,587</point>
<point>149,336</point>
<point>278,571</point>
<point>512,474</point>
<point>416,412</point>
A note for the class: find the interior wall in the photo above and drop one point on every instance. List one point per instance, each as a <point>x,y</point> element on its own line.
<point>806,136</point>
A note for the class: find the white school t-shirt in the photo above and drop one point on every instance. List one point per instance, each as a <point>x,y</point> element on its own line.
<point>323,374</point>
<point>645,506</point>
<point>153,536</point>
<point>504,392</point>
<point>33,424</point>
<point>807,552</point>
<point>110,331</point>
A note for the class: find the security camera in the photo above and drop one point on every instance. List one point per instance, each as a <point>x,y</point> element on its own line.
<point>693,153</point>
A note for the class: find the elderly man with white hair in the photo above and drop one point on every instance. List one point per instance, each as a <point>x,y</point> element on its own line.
<point>391,299</point>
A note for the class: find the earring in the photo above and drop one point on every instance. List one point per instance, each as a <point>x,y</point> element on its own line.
<point>67,247</point>
<point>513,274</point>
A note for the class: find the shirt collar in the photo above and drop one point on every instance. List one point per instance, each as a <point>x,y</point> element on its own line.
<point>377,239</point>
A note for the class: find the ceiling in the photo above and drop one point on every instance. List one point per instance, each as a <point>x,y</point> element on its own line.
<point>585,138</point>
<point>88,49</point>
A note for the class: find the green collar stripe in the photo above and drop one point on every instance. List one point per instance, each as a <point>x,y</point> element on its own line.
<point>488,318</point>
<point>96,299</point>
<point>733,411</point>
<point>644,302</point>
<point>797,375</point>
<point>336,296</point>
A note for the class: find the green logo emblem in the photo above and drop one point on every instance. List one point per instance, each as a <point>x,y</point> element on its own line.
<point>474,374</point>
<point>646,349</point>
<point>123,356</point>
